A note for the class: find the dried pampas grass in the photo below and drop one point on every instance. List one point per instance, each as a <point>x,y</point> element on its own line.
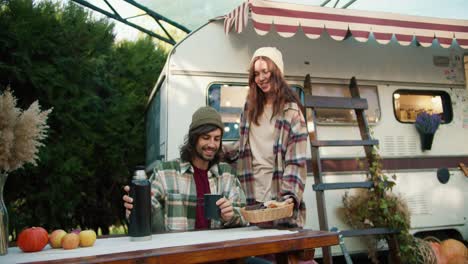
<point>21,132</point>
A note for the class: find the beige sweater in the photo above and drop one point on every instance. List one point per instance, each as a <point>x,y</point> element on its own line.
<point>261,139</point>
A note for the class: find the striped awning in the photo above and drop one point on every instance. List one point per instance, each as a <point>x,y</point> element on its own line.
<point>286,19</point>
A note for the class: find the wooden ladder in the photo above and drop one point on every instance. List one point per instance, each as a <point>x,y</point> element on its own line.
<point>359,105</point>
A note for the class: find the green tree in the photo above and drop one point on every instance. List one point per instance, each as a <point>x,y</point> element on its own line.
<point>65,59</point>
<point>133,71</point>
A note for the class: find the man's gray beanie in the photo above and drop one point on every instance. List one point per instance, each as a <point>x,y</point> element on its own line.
<point>206,115</point>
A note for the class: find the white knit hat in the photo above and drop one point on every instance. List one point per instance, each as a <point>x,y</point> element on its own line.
<point>273,54</point>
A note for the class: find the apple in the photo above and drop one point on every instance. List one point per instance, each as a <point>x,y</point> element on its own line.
<point>55,238</point>
<point>70,241</point>
<point>87,238</point>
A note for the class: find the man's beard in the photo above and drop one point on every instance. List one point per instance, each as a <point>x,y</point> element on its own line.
<point>199,153</point>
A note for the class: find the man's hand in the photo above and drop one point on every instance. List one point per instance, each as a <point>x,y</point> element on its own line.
<point>127,201</point>
<point>227,211</point>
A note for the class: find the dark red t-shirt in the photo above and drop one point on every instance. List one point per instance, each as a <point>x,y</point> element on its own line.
<point>203,186</point>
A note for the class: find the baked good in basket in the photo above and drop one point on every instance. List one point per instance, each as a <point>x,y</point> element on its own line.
<point>269,211</point>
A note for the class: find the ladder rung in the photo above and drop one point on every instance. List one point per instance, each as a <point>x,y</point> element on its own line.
<point>342,185</point>
<point>334,102</point>
<point>343,143</point>
<point>368,232</point>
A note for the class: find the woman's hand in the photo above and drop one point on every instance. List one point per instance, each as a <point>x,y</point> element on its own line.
<point>289,201</point>
<point>274,204</point>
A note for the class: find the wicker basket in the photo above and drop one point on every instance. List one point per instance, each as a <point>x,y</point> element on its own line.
<point>267,214</point>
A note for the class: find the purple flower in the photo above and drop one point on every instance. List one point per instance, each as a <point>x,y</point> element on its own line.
<point>427,123</point>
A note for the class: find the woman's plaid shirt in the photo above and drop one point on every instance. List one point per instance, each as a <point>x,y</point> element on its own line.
<point>175,196</point>
<point>290,171</point>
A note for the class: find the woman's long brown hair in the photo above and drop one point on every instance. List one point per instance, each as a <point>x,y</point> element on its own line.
<point>256,99</point>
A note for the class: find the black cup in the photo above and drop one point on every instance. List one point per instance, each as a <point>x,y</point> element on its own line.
<point>212,211</point>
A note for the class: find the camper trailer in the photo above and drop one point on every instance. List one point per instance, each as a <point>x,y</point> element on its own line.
<point>399,76</point>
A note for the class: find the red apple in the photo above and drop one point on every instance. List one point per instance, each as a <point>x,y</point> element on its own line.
<point>87,238</point>
<point>55,238</point>
<point>70,241</point>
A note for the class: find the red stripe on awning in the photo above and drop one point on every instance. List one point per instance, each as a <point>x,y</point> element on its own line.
<point>446,41</point>
<point>401,37</point>
<point>360,34</point>
<point>462,42</point>
<point>423,39</point>
<point>286,28</point>
<point>337,32</point>
<point>382,36</point>
<point>261,26</point>
<point>313,30</point>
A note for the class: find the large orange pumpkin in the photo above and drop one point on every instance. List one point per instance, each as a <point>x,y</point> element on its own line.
<point>33,239</point>
<point>452,248</point>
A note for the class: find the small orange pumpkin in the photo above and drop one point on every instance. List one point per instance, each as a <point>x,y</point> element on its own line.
<point>452,248</point>
<point>32,239</point>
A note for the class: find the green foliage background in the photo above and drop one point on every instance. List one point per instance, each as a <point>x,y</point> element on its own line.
<point>98,89</point>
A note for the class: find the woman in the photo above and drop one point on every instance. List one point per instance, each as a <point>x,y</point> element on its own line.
<point>271,153</point>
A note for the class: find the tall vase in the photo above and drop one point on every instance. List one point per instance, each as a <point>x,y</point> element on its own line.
<point>3,217</point>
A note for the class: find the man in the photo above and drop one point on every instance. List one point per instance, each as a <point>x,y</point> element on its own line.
<point>178,187</point>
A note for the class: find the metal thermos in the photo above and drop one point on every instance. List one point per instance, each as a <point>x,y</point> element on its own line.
<point>139,228</point>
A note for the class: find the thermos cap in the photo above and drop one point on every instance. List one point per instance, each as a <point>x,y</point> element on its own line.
<point>140,173</point>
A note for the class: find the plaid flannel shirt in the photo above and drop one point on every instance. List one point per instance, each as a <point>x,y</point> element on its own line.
<point>289,172</point>
<point>175,196</point>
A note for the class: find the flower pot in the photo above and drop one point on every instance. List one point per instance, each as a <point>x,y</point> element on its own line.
<point>426,141</point>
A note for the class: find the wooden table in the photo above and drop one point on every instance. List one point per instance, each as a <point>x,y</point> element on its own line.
<point>193,253</point>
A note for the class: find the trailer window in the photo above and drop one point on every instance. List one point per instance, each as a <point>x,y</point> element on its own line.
<point>407,104</point>
<point>153,129</point>
<point>229,99</point>
<point>343,116</point>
